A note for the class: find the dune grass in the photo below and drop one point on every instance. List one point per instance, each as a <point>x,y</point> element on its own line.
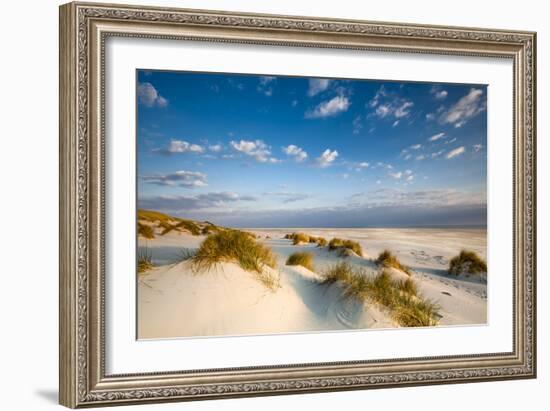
<point>312,239</point>
<point>239,247</point>
<point>210,228</point>
<point>152,216</point>
<point>145,231</point>
<point>401,298</point>
<point>321,242</point>
<point>467,262</point>
<point>188,225</point>
<point>298,238</point>
<point>303,259</point>
<point>342,245</point>
<point>144,260</point>
<point>387,259</point>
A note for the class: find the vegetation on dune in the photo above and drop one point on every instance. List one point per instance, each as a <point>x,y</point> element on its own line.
<point>144,260</point>
<point>467,262</point>
<point>387,259</point>
<point>299,238</point>
<point>210,229</point>
<point>313,239</point>
<point>236,246</point>
<point>342,245</point>
<point>188,225</point>
<point>321,242</point>
<point>152,216</point>
<point>145,231</point>
<point>401,298</point>
<point>303,259</point>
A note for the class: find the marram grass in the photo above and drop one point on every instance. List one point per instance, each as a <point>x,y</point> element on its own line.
<point>303,259</point>
<point>467,262</point>
<point>387,259</point>
<point>239,247</point>
<point>401,298</point>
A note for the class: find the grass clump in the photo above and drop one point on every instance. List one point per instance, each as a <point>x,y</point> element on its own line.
<point>387,259</point>
<point>144,260</point>
<point>313,239</point>
<point>188,225</point>
<point>321,242</point>
<point>153,216</point>
<point>467,262</point>
<point>298,238</point>
<point>235,246</point>
<point>146,231</point>
<point>401,298</point>
<point>343,245</point>
<point>303,259</point>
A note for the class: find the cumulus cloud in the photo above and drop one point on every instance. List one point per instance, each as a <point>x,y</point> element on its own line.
<point>437,136</point>
<point>415,146</point>
<point>181,146</point>
<point>329,108</point>
<point>437,153</point>
<point>327,158</point>
<point>288,197</point>
<point>385,104</point>
<point>317,85</point>
<point>256,149</point>
<point>357,124</point>
<point>438,92</point>
<point>465,108</point>
<point>477,147</point>
<point>265,85</point>
<point>397,175</point>
<point>421,157</point>
<point>216,148</point>
<point>183,203</point>
<point>187,179</point>
<point>148,96</point>
<point>295,152</point>
<point>456,152</point>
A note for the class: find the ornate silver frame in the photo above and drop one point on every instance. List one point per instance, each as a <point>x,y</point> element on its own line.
<point>83,30</point>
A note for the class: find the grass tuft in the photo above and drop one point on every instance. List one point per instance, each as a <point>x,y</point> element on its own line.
<point>236,246</point>
<point>467,262</point>
<point>321,242</point>
<point>303,259</point>
<point>341,245</point>
<point>387,259</point>
<point>144,260</point>
<point>401,298</point>
<point>298,238</point>
<point>146,231</point>
<point>188,225</point>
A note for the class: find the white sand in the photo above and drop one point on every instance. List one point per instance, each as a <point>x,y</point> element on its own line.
<point>175,302</point>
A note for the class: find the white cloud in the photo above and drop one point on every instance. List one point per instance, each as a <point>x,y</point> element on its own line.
<point>329,108</point>
<point>386,104</point>
<point>326,159</point>
<point>397,175</point>
<point>216,148</point>
<point>404,109</point>
<point>409,178</point>
<point>430,116</point>
<point>436,137</point>
<point>378,182</point>
<point>421,157</point>
<point>265,86</point>
<point>464,109</point>
<point>437,154</point>
<point>477,147</point>
<point>181,146</point>
<point>395,123</point>
<point>256,149</point>
<point>438,92</point>
<point>149,96</point>
<point>456,152</point>
<point>416,146</point>
<point>408,157</point>
<point>317,85</point>
<point>288,197</point>
<point>363,164</point>
<point>296,152</point>
<point>187,179</point>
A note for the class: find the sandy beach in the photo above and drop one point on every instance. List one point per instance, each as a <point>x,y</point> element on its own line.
<point>176,301</point>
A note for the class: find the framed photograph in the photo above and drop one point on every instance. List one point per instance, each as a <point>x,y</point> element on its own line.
<point>260,205</point>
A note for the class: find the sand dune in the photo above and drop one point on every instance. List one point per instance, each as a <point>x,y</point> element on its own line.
<point>173,301</point>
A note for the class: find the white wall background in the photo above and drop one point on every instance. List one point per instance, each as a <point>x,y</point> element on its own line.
<point>28,181</point>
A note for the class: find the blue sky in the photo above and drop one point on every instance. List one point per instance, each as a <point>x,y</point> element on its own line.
<point>277,151</point>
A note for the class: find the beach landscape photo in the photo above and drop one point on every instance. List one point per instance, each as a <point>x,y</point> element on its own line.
<point>278,204</point>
